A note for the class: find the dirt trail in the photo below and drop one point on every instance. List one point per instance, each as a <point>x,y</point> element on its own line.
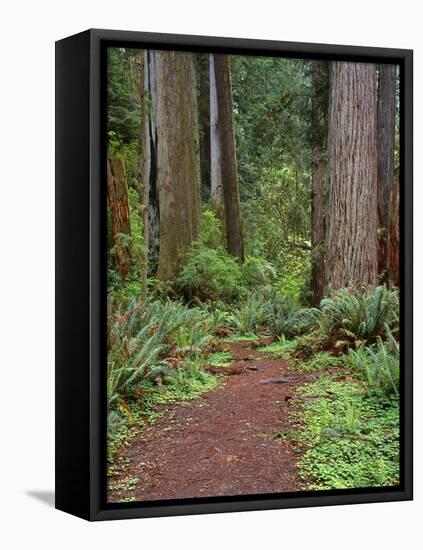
<point>218,444</point>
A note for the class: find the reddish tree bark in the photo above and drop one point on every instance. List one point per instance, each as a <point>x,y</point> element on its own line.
<point>352,241</point>
<point>229,174</point>
<point>385,166</point>
<point>318,128</point>
<point>117,194</point>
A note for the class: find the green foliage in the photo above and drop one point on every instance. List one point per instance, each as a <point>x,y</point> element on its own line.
<point>131,288</point>
<point>359,316</point>
<point>350,439</point>
<point>278,349</point>
<point>249,315</point>
<point>211,230</point>
<point>319,362</point>
<point>257,272</point>
<point>268,308</point>
<point>210,274</point>
<point>379,365</point>
<point>220,359</point>
<point>123,104</point>
<point>277,227</point>
<point>310,343</point>
<point>142,339</point>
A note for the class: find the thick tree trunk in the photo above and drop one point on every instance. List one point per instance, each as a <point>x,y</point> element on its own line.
<point>150,161</point>
<point>178,175</point>
<point>117,194</point>
<point>318,127</point>
<point>352,215</point>
<point>229,173</point>
<point>385,166</point>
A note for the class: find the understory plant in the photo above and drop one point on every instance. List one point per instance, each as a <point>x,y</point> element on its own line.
<point>359,316</point>
<point>379,365</point>
<point>148,341</point>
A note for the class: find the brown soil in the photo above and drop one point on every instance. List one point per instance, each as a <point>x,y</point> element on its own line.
<point>218,444</point>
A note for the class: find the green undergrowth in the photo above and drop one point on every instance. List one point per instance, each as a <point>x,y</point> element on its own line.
<point>350,436</point>
<point>322,361</point>
<point>220,359</point>
<point>240,337</point>
<point>278,349</point>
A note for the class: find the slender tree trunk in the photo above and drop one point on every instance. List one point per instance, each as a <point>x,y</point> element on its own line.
<point>386,147</point>
<point>352,215</point>
<point>117,194</point>
<point>178,175</point>
<point>229,173</point>
<point>394,235</point>
<point>150,160</point>
<point>142,187</point>
<point>216,190</point>
<point>318,127</point>
<point>204,122</point>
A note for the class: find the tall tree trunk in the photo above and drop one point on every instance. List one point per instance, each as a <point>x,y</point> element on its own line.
<point>178,175</point>
<point>318,127</point>
<point>142,185</point>
<point>352,215</point>
<point>394,235</point>
<point>229,173</point>
<point>385,166</point>
<point>216,190</point>
<point>117,194</point>
<point>204,122</point>
<point>150,160</point>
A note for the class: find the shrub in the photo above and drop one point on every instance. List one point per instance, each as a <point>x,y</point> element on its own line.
<point>211,230</point>
<point>210,274</point>
<point>321,361</point>
<point>281,313</point>
<point>309,344</point>
<point>379,366</point>
<point>146,338</point>
<point>359,316</point>
<point>250,315</point>
<point>257,272</point>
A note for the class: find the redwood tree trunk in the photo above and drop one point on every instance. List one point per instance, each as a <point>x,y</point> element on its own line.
<point>352,241</point>
<point>216,190</point>
<point>394,236</point>
<point>386,147</point>
<point>149,159</point>
<point>204,121</point>
<point>117,194</point>
<point>318,128</point>
<point>178,177</point>
<point>229,173</point>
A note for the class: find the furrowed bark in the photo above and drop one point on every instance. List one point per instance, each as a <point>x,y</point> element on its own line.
<point>150,161</point>
<point>318,127</point>
<point>117,194</point>
<point>216,190</point>
<point>204,122</point>
<point>142,187</point>
<point>352,240</point>
<point>386,147</point>
<point>229,173</point>
<point>394,236</point>
<point>178,176</point>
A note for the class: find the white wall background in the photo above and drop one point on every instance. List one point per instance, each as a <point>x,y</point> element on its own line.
<point>28,31</point>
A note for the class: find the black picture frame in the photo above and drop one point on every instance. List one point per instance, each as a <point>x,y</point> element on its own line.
<point>81,273</point>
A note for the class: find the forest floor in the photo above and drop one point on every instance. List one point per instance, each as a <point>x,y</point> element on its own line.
<point>221,443</point>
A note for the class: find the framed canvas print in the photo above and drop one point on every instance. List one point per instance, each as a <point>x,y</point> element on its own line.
<point>233,274</point>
